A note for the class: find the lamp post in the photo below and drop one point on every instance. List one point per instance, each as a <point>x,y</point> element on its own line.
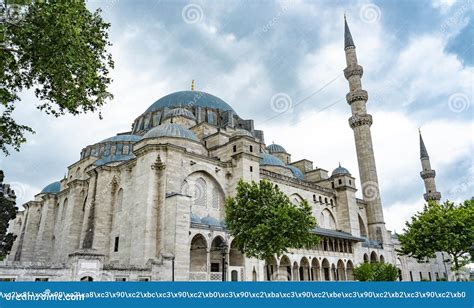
<point>223,247</point>
<point>172,269</point>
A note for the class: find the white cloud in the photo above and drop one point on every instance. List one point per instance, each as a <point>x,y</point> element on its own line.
<point>326,139</point>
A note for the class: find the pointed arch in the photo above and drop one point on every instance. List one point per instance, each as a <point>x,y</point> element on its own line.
<point>326,269</point>
<point>362,227</point>
<point>198,254</point>
<point>373,257</point>
<point>284,269</point>
<point>350,270</point>
<point>315,270</point>
<point>328,219</point>
<point>304,269</point>
<point>296,198</point>
<point>340,272</point>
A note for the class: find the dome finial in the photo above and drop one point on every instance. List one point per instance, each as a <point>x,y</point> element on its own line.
<point>192,85</point>
<point>339,164</point>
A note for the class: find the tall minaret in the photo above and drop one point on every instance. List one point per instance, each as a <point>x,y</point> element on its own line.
<point>360,123</point>
<point>427,174</point>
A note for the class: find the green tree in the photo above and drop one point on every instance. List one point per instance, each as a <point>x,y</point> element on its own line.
<point>376,272</point>
<point>59,50</point>
<point>8,212</point>
<point>264,222</point>
<point>441,227</point>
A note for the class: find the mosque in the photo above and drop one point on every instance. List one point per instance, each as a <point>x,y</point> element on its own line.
<point>148,204</point>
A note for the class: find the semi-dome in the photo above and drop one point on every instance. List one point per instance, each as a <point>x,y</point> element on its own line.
<point>179,112</point>
<point>195,218</point>
<point>269,159</point>
<point>52,188</point>
<point>275,148</point>
<point>340,171</point>
<point>189,98</point>
<point>171,130</point>
<point>296,172</point>
<point>122,138</point>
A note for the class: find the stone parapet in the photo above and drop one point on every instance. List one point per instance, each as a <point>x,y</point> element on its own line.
<point>356,95</point>
<point>427,174</point>
<point>353,70</point>
<point>358,120</point>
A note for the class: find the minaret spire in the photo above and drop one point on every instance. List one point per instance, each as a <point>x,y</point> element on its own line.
<point>427,174</point>
<point>360,122</point>
<point>348,42</point>
<point>423,151</point>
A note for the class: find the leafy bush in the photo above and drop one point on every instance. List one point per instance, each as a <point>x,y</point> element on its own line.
<point>376,272</point>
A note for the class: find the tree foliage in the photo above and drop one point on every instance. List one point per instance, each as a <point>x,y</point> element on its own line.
<point>376,272</point>
<point>264,222</point>
<point>441,227</point>
<point>58,49</point>
<point>8,212</point>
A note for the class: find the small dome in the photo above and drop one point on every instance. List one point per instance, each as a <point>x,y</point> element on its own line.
<point>123,138</point>
<point>195,218</point>
<point>269,159</point>
<point>189,98</point>
<point>275,148</point>
<point>171,130</point>
<point>112,158</point>
<point>179,112</point>
<point>340,171</point>
<point>208,220</point>
<point>52,188</point>
<point>296,172</point>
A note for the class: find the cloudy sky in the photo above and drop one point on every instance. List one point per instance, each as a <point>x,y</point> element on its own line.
<point>280,63</point>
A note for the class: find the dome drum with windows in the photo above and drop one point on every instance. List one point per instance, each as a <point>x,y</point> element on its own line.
<point>193,108</point>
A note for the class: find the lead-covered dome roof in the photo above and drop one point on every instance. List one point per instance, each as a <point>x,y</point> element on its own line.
<point>52,188</point>
<point>270,160</point>
<point>340,171</point>
<point>170,130</point>
<point>190,99</point>
<point>275,148</point>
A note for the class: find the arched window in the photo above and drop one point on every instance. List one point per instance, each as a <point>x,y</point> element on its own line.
<point>216,198</point>
<point>200,192</point>
<point>63,214</point>
<point>119,200</point>
<point>78,172</point>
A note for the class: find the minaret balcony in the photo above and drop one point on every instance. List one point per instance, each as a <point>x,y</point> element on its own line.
<point>359,120</point>
<point>357,95</point>
<point>427,174</point>
<point>353,70</point>
<point>432,196</point>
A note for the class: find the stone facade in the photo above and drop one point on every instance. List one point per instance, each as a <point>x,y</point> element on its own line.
<point>149,204</point>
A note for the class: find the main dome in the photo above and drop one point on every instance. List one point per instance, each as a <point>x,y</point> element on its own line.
<point>189,98</point>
